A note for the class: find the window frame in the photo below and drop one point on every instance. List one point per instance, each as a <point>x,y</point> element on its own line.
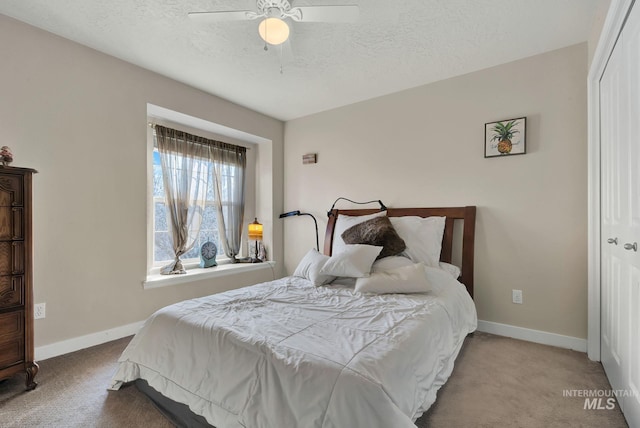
<point>153,268</point>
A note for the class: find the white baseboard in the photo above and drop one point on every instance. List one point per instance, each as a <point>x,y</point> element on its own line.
<point>536,336</point>
<point>82,342</point>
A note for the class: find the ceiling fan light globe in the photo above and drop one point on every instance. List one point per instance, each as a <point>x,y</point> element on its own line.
<point>274,31</point>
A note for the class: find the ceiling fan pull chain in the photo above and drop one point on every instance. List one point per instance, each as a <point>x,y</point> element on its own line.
<point>281,60</point>
<point>266,30</point>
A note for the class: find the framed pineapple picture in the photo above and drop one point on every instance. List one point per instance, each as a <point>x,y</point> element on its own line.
<point>504,138</point>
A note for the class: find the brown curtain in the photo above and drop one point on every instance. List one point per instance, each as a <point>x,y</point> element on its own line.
<point>230,164</point>
<point>186,173</point>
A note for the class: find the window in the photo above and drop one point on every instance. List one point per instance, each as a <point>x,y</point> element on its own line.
<point>162,245</point>
<point>218,171</point>
<point>234,155</point>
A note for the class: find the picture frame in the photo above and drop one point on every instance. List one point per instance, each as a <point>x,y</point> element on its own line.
<point>505,137</point>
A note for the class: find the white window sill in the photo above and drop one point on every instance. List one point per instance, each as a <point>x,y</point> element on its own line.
<point>198,274</point>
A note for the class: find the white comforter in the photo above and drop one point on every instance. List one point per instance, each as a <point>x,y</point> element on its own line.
<point>288,354</point>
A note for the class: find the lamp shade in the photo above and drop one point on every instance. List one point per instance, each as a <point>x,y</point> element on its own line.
<point>274,31</point>
<point>255,231</point>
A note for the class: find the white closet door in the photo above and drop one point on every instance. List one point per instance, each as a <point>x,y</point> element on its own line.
<point>631,46</point>
<point>620,217</point>
<point>613,100</point>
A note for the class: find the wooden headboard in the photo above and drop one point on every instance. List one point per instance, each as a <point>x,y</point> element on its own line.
<point>467,214</point>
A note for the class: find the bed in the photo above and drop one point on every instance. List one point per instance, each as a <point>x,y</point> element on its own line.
<point>291,353</point>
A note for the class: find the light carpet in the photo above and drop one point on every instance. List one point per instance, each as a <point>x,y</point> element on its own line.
<point>497,382</point>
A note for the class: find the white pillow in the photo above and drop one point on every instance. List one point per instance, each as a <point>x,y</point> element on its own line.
<point>353,261</point>
<point>309,268</point>
<point>406,279</point>
<point>392,262</point>
<point>423,237</point>
<point>453,270</point>
<point>440,280</point>
<point>344,222</point>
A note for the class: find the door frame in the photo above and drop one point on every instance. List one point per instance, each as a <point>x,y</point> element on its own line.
<point>616,16</point>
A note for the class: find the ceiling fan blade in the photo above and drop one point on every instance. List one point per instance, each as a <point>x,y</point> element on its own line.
<point>232,15</point>
<point>327,13</point>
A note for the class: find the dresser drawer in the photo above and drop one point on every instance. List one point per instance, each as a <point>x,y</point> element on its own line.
<point>11,226</point>
<point>11,325</point>
<point>11,190</point>
<point>11,351</point>
<point>11,258</point>
<point>11,291</point>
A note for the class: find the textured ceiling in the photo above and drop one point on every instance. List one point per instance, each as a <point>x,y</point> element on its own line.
<point>395,45</point>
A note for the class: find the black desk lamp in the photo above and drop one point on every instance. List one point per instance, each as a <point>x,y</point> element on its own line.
<point>297,212</point>
<point>382,206</point>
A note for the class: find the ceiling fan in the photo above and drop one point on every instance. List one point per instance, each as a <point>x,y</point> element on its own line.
<point>273,29</point>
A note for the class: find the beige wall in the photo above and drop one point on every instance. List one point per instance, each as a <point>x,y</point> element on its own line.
<point>79,118</point>
<point>424,147</point>
<point>602,7</point>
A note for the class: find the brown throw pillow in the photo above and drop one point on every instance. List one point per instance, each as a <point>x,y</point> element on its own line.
<point>379,232</point>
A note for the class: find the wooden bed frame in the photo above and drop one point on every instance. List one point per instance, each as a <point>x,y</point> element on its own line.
<point>467,214</point>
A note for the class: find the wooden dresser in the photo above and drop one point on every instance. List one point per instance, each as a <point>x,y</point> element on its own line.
<point>16,275</point>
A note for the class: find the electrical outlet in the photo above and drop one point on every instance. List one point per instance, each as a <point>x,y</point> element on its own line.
<point>39,310</point>
<point>516,296</point>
